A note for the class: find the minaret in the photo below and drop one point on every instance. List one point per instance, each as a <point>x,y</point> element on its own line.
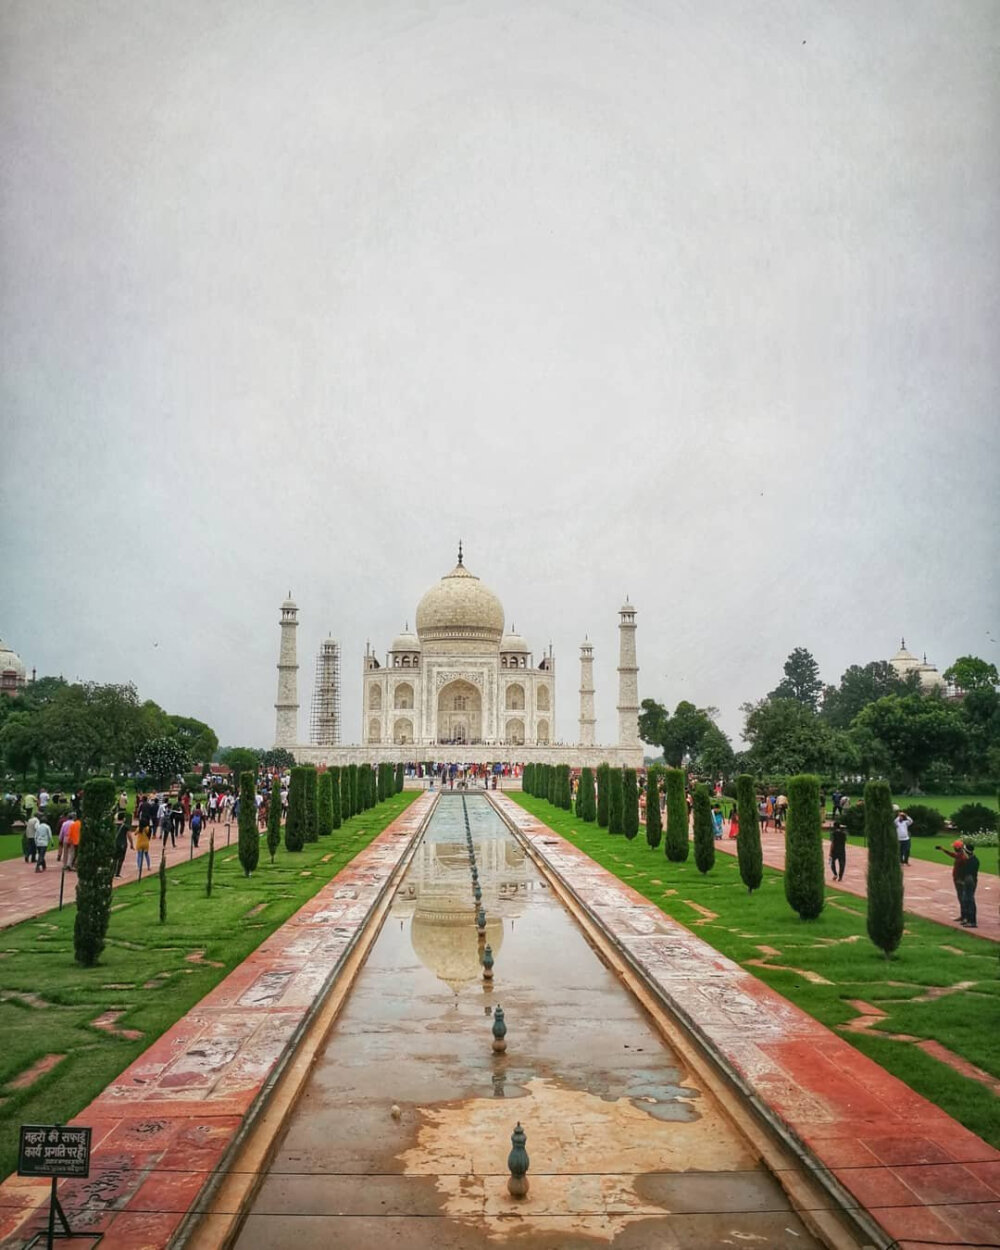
<point>587,718</point>
<point>286,726</point>
<point>628,683</point>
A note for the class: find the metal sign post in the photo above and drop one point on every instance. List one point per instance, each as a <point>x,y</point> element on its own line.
<point>54,1150</point>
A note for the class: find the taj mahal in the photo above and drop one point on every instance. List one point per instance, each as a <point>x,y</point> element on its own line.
<point>459,688</point>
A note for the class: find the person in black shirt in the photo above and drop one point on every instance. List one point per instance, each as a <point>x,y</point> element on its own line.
<point>838,850</point>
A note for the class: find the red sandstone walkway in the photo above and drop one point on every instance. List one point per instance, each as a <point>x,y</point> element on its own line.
<point>163,1126</point>
<point>25,893</point>
<point>919,1173</point>
<point>927,886</point>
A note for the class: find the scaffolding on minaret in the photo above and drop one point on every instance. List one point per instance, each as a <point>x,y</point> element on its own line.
<point>324,721</point>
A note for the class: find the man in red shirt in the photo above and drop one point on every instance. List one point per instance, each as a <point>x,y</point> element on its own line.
<point>957,853</point>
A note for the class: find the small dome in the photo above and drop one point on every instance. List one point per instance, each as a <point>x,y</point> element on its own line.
<point>904,661</point>
<point>10,661</point>
<point>290,603</point>
<point>459,607</point>
<point>513,642</point>
<point>405,641</point>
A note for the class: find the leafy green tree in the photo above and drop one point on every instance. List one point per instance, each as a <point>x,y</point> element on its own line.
<point>312,828</point>
<point>94,871</point>
<point>654,824</point>
<point>324,804</point>
<point>336,810</point>
<point>704,830</point>
<point>19,741</point>
<point>616,802</point>
<point>786,737</point>
<point>859,686</point>
<point>804,870</point>
<point>603,794</point>
<point>715,757</point>
<point>249,838</point>
<point>241,760</point>
<point>801,681</point>
<point>678,735</point>
<point>676,842</point>
<point>910,732</point>
<point>274,821</point>
<point>971,673</point>
<point>748,851</point>
<point>200,741</point>
<point>163,759</point>
<point>630,803</point>
<point>586,803</point>
<point>295,821</point>
<point>885,873</point>
<point>653,721</point>
<point>278,757</point>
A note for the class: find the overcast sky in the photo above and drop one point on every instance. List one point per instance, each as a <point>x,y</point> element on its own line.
<point>696,302</point>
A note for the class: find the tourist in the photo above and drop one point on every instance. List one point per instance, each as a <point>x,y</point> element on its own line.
<point>970,880</point>
<point>780,808</point>
<point>176,820</point>
<point>43,801</point>
<point>734,821</point>
<point>197,822</point>
<point>163,823</point>
<point>64,835</point>
<point>72,844</point>
<point>30,849</point>
<point>146,815</point>
<point>43,836</point>
<point>717,821</point>
<point>142,848</point>
<point>957,854</point>
<point>123,840</point>
<point>763,815</point>
<point>122,801</point>
<point>185,809</point>
<point>838,850</point>
<point>903,823</point>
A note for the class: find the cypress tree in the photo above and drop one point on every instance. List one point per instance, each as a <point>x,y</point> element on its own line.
<point>748,850</point>
<point>312,778</point>
<point>885,873</point>
<point>565,789</point>
<point>630,803</point>
<point>380,785</point>
<point>654,825</point>
<point>676,841</point>
<point>94,868</point>
<point>526,778</point>
<point>586,808</point>
<point>295,822</point>
<point>163,883</point>
<point>324,804</point>
<point>352,781</point>
<point>603,794</point>
<point>804,869</point>
<point>400,778</point>
<point>249,838</point>
<point>616,801</point>
<point>704,830</point>
<point>274,820</point>
<point>210,867</point>
<point>336,811</point>
<point>370,787</point>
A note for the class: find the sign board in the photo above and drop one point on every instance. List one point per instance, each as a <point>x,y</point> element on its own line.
<point>53,1150</point>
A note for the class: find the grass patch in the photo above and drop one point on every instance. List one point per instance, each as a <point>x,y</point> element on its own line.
<point>50,1002</point>
<point>836,946</point>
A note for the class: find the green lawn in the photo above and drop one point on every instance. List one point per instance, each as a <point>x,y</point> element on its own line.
<point>48,1002</point>
<point>836,947</point>
<point>10,846</point>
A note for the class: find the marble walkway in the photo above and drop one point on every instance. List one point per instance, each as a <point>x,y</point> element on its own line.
<point>925,1178</point>
<point>165,1124</point>
<point>927,886</point>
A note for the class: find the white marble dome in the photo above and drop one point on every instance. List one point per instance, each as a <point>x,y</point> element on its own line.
<point>460,607</point>
<point>514,643</point>
<point>405,642</point>
<point>11,662</point>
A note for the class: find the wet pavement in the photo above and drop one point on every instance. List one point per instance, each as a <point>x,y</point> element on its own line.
<point>402,1135</point>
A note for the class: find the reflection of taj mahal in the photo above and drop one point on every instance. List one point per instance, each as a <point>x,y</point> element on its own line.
<point>461,688</point>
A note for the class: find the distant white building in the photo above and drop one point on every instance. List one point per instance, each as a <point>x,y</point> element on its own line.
<point>13,674</point>
<point>904,663</point>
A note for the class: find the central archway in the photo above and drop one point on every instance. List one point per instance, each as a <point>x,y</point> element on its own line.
<point>460,713</point>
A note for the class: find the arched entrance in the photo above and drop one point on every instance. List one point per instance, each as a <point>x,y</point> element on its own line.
<point>460,713</point>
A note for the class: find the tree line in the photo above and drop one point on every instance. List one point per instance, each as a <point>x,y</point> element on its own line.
<point>872,723</point>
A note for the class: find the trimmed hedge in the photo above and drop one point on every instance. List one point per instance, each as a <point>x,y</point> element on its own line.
<point>748,852</point>
<point>704,830</point>
<point>586,803</point>
<point>676,843</point>
<point>885,873</point>
<point>616,801</point>
<point>249,838</point>
<point>94,868</point>
<point>295,822</point>
<point>603,794</point>
<point>630,803</point>
<point>804,867</point>
<point>654,822</point>
<point>324,804</point>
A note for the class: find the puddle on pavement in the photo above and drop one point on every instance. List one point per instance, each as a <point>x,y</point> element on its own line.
<point>625,1150</point>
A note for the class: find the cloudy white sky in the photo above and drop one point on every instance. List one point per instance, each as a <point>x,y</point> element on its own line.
<point>694,301</point>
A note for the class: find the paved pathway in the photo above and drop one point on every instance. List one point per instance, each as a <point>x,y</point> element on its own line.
<point>928,890</point>
<point>25,893</point>
<point>919,1173</point>
<point>163,1126</point>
